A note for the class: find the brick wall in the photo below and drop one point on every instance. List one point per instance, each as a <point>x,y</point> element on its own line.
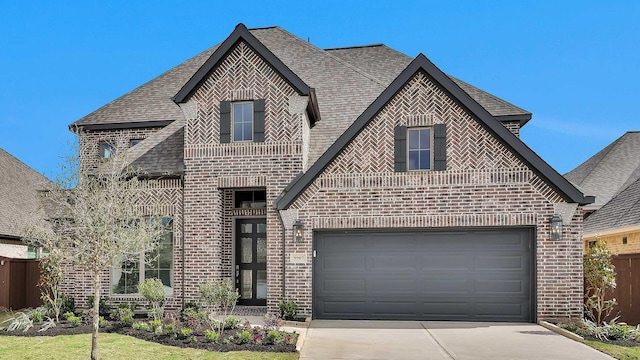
<point>484,185</point>
<point>89,142</point>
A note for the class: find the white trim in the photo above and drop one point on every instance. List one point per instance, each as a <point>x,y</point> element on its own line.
<point>612,231</point>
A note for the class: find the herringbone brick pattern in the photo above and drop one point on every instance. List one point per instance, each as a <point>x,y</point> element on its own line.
<point>243,75</point>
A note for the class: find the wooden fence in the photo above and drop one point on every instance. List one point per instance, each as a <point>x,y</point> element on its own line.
<point>627,291</point>
<point>19,283</point>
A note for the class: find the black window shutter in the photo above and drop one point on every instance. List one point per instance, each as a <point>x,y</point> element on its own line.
<point>439,147</point>
<point>400,145</point>
<point>225,121</point>
<point>258,120</point>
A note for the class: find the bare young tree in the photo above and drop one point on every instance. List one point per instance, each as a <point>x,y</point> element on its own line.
<point>96,217</point>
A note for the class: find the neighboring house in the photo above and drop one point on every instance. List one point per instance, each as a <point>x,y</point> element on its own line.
<point>358,182</point>
<point>19,200</point>
<point>612,176</point>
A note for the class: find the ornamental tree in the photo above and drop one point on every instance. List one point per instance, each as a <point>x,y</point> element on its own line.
<point>600,279</point>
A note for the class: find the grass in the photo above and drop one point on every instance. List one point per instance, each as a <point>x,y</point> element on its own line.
<point>114,346</point>
<point>617,351</point>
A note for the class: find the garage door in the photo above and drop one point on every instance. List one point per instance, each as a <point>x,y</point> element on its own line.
<point>477,275</point>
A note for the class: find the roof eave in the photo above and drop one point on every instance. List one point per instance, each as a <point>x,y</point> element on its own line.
<point>75,128</point>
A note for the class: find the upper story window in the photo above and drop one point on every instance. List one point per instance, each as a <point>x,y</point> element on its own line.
<point>107,150</point>
<point>242,121</point>
<point>242,114</point>
<point>419,149</point>
<point>254,199</point>
<point>134,142</point>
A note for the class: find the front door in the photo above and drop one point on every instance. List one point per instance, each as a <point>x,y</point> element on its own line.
<point>251,261</point>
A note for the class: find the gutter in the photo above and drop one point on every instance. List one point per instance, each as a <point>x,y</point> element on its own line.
<point>284,266</point>
<point>183,244</point>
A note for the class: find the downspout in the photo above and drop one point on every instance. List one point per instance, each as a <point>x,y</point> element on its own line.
<point>284,266</point>
<point>183,244</point>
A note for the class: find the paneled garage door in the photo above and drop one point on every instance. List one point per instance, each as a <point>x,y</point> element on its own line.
<point>472,275</point>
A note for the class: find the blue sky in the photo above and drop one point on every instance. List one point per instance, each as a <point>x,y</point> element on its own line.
<point>573,64</point>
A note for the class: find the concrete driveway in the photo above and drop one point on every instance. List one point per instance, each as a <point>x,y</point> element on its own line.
<point>340,339</point>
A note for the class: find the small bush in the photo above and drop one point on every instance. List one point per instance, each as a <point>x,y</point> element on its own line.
<point>153,290</point>
<point>272,322</point>
<point>184,333</point>
<point>194,318</point>
<point>288,309</point>
<point>68,314</point>
<point>36,316</point>
<point>75,321</point>
<point>67,304</point>
<point>123,314</point>
<point>275,337</point>
<point>102,322</point>
<point>170,329</point>
<point>104,309</point>
<point>141,326</point>
<point>155,325</point>
<point>232,322</point>
<point>211,335</point>
<point>244,337</point>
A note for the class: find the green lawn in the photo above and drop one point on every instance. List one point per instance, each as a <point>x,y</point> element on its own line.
<point>618,352</point>
<point>113,346</point>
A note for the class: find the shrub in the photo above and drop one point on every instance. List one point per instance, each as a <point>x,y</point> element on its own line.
<point>155,325</point>
<point>211,335</point>
<point>243,337</point>
<point>36,316</point>
<point>153,290</point>
<point>170,329</point>
<point>123,314</point>
<point>68,314</point>
<point>74,320</point>
<point>288,309</point>
<point>221,295</point>
<point>102,322</point>
<point>67,304</point>
<point>232,322</point>
<point>184,333</point>
<point>275,337</point>
<point>141,326</point>
<point>104,309</point>
<point>272,322</point>
<point>194,318</point>
<point>21,321</point>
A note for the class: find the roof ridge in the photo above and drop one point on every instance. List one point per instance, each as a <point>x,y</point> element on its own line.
<point>352,67</point>
<point>354,47</point>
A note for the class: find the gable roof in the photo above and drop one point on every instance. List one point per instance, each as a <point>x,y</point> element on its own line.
<point>241,33</point>
<point>421,63</point>
<point>386,63</point>
<point>161,152</point>
<point>623,210</point>
<point>19,199</point>
<point>610,170</point>
<point>344,87</point>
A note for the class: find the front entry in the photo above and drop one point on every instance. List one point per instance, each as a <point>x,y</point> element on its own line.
<point>251,261</point>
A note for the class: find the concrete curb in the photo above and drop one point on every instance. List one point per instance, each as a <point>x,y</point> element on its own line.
<point>560,331</point>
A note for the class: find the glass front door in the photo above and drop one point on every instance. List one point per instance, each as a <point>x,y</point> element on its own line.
<point>251,261</point>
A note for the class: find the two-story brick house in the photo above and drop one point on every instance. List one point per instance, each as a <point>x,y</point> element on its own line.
<point>359,182</point>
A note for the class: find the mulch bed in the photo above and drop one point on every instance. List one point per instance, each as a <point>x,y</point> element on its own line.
<point>197,341</point>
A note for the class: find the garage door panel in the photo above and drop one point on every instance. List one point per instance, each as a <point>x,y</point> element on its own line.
<point>427,275</point>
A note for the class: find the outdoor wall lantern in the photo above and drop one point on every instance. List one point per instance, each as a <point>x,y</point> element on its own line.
<point>556,227</point>
<point>297,231</point>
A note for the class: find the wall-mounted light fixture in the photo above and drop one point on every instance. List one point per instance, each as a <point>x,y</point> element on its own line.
<point>556,227</point>
<point>297,231</point>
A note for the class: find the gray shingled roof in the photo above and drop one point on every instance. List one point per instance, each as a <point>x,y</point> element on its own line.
<point>162,152</point>
<point>346,81</point>
<point>609,171</point>
<point>385,64</point>
<point>622,210</point>
<point>19,199</point>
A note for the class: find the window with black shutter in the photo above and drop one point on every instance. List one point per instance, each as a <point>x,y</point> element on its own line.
<point>242,121</point>
<point>420,148</point>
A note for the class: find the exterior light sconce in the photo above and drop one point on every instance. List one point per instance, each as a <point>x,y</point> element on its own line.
<point>297,231</point>
<point>556,227</point>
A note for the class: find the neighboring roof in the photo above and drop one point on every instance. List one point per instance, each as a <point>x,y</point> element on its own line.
<point>19,199</point>
<point>385,64</point>
<point>609,171</point>
<point>565,189</point>
<point>623,210</point>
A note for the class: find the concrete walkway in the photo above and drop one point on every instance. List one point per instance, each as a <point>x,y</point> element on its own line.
<point>340,339</point>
